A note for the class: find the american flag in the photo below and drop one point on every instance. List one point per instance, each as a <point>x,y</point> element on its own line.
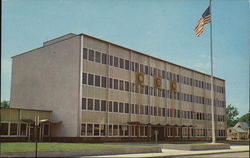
<point>205,18</point>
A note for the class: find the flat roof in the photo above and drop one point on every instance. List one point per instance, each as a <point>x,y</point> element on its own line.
<point>120,47</point>
<point>26,109</point>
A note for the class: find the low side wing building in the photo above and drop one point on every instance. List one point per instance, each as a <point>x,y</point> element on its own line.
<point>101,91</point>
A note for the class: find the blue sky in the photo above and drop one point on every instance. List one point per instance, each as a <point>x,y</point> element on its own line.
<point>161,28</point>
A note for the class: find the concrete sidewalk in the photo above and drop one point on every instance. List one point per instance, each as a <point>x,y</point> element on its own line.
<point>171,152</point>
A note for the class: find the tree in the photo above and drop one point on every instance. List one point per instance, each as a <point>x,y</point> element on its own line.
<point>245,118</point>
<point>5,104</point>
<point>232,115</point>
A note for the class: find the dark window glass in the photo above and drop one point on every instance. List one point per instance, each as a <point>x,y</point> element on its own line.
<point>126,64</point>
<point>110,106</point>
<point>121,85</point>
<point>89,129</point>
<point>116,61</point>
<point>85,53</point>
<point>104,58</point>
<point>84,78</point>
<point>151,71</point>
<point>155,71</point>
<point>90,104</point>
<point>132,108</point>
<point>146,110</point>
<point>146,90</point>
<point>104,82</point>
<point>111,60</point>
<point>111,83</point>
<point>155,111</point>
<point>132,66</point>
<point>126,108</point>
<point>141,68</point>
<point>163,93</point>
<point>126,86</point>
<point>136,67</point>
<point>146,70</point>
<point>121,107</point>
<point>103,105</point>
<point>142,109</point>
<point>159,73</point>
<point>163,74</point>
<point>90,79</point>
<point>159,111</point>
<point>84,104</point>
<point>163,112</point>
<point>97,57</point>
<point>121,63</point>
<point>91,55</point>
<point>115,84</point>
<point>115,107</point>
<point>96,130</point>
<point>97,105</point>
<point>136,108</point>
<point>97,80</point>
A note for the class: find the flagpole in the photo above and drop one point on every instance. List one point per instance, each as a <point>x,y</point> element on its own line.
<point>212,87</point>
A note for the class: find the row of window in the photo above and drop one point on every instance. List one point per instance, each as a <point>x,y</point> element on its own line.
<point>18,129</point>
<point>89,129</point>
<point>120,107</point>
<point>104,82</point>
<point>102,58</point>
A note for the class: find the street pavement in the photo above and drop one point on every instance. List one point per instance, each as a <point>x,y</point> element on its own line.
<point>225,155</point>
<point>176,153</point>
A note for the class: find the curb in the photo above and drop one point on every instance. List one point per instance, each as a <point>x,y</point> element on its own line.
<point>223,152</point>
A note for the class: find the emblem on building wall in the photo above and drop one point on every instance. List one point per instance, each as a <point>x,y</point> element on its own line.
<point>158,82</point>
<point>140,78</point>
<point>173,85</point>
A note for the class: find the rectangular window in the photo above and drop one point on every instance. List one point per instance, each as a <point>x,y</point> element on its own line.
<point>84,104</point>
<point>111,60</point>
<point>136,109</point>
<point>146,70</point>
<point>121,63</point>
<point>110,83</point>
<point>155,111</point>
<point>136,67</point>
<point>4,128</point>
<point>163,112</point>
<point>146,110</point>
<point>104,82</point>
<point>85,53</point>
<point>163,74</point>
<point>97,80</point>
<point>45,129</point>
<point>115,84</point>
<point>13,129</point>
<point>132,108</point>
<point>115,106</point>
<point>116,61</point>
<point>121,85</point>
<point>96,130</point>
<point>97,57</point>
<point>142,109</point>
<point>91,55</point>
<point>83,128</point>
<point>102,129</point>
<point>110,106</point>
<point>159,111</point>
<point>132,66</point>
<point>90,79</point>
<point>89,129</point>
<point>104,58</point>
<point>103,105</point>
<point>90,104</point>
<point>97,105</point>
<point>141,68</point>
<point>115,130</point>
<point>146,90</point>
<point>84,78</point>
<point>126,108</point>
<point>126,86</point>
<point>126,64</point>
<point>23,129</point>
<point>121,108</point>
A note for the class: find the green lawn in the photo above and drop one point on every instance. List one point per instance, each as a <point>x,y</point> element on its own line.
<point>18,147</point>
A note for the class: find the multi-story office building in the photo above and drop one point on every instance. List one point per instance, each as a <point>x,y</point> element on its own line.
<point>102,91</point>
